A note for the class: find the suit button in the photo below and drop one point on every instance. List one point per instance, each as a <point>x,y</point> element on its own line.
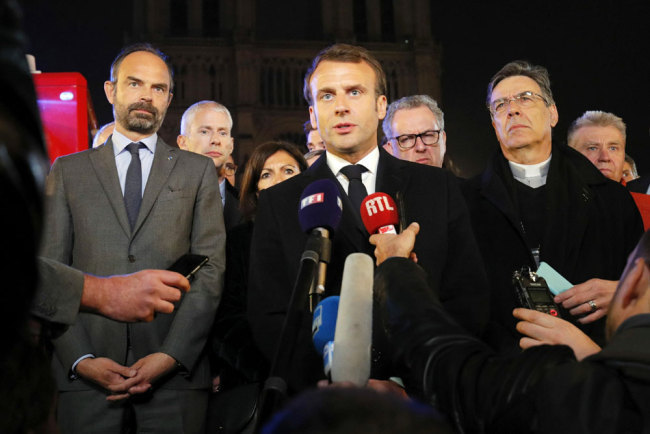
<point>131,258</point>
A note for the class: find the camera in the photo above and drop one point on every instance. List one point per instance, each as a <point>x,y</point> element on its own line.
<point>533,293</point>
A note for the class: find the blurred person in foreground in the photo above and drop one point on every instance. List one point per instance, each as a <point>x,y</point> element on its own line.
<point>352,411</point>
<point>544,389</point>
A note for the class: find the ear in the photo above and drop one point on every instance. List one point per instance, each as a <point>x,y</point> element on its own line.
<point>171,95</point>
<point>312,118</point>
<point>554,115</point>
<point>634,284</point>
<point>442,143</point>
<point>109,90</point>
<point>382,103</point>
<point>181,141</point>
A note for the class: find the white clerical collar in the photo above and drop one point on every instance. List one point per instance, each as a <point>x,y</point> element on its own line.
<point>533,175</point>
<point>120,141</point>
<point>370,162</point>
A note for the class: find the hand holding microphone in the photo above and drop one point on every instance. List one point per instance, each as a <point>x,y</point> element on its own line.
<point>379,214</point>
<point>388,246</point>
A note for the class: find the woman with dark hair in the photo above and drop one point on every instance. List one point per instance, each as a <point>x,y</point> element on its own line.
<point>237,361</point>
<point>270,164</point>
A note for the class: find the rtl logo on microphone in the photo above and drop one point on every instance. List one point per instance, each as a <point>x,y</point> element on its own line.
<point>310,200</point>
<point>378,204</point>
<point>390,229</point>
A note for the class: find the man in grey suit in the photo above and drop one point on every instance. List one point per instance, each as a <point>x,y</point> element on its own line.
<point>136,203</point>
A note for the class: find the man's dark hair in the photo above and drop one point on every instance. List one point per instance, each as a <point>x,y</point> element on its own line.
<point>142,46</point>
<point>350,54</point>
<point>537,73</point>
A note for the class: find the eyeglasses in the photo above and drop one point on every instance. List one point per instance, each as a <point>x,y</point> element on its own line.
<point>230,169</point>
<point>407,141</point>
<point>524,99</point>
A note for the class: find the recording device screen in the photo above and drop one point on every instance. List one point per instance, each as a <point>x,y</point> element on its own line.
<point>540,296</point>
<point>533,293</point>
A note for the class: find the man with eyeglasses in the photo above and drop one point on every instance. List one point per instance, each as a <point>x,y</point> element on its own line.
<point>537,201</point>
<point>206,128</point>
<point>414,126</point>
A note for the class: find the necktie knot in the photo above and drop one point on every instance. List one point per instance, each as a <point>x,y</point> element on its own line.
<point>134,148</point>
<point>353,171</point>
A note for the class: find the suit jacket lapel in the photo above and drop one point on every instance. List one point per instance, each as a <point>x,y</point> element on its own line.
<point>103,162</point>
<point>164,161</point>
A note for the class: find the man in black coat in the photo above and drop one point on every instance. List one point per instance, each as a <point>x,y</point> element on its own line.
<point>542,390</point>
<point>541,202</point>
<point>345,89</point>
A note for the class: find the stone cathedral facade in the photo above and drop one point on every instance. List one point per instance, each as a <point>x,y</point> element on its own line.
<point>251,55</point>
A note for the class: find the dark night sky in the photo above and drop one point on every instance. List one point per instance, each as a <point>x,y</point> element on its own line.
<point>598,55</point>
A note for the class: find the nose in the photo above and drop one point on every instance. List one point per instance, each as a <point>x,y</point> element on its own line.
<point>603,155</point>
<point>215,139</point>
<point>341,105</point>
<point>146,94</point>
<point>419,144</point>
<point>513,108</point>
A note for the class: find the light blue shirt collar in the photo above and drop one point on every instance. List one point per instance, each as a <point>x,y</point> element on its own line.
<point>120,141</point>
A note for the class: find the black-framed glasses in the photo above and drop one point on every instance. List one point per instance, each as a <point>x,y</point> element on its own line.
<point>230,168</point>
<point>407,141</point>
<point>524,99</point>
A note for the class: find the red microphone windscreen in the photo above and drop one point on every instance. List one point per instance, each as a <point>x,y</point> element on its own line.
<point>377,211</point>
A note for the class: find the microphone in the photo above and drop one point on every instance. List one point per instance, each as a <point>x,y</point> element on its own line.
<point>323,329</point>
<point>320,206</point>
<point>353,333</point>
<point>379,214</point>
<point>319,214</point>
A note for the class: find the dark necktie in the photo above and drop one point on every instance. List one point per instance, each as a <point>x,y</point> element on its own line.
<point>133,184</point>
<point>356,190</point>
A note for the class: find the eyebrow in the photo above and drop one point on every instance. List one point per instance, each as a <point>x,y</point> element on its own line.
<point>137,80</point>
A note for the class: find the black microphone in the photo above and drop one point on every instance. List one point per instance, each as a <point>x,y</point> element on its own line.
<point>319,214</point>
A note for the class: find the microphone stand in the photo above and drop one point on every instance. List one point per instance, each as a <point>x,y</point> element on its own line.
<point>274,393</point>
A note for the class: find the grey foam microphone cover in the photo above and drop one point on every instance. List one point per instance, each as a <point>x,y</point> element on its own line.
<point>353,334</point>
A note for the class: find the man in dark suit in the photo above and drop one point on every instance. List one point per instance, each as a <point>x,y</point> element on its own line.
<point>132,204</point>
<point>345,88</point>
<point>537,201</point>
<point>206,128</point>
